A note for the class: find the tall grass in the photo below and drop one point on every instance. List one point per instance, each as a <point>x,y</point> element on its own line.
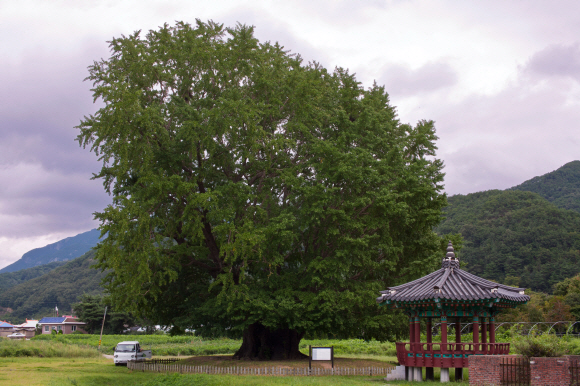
<point>192,345</point>
<point>47,349</point>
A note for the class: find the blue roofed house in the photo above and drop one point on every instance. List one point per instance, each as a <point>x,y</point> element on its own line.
<point>6,329</point>
<point>66,324</point>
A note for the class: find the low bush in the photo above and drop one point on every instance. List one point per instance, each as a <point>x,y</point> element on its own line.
<point>545,345</point>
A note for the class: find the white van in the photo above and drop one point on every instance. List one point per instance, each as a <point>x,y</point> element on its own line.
<point>129,351</point>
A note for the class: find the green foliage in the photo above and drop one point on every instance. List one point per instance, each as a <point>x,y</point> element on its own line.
<point>249,187</point>
<point>561,187</point>
<point>46,349</point>
<point>62,286</point>
<point>541,308</point>
<point>546,345</point>
<point>514,234</point>
<point>11,279</point>
<point>570,289</point>
<point>91,309</point>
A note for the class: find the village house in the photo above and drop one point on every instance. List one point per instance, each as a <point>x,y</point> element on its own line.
<point>67,324</point>
<point>27,329</point>
<point>6,329</point>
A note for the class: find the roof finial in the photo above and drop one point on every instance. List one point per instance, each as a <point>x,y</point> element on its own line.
<point>450,261</point>
<point>450,251</point>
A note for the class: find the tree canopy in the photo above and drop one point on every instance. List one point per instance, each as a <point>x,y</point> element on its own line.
<point>254,193</point>
<point>91,309</point>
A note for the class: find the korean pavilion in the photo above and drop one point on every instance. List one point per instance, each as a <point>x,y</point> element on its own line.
<point>449,295</point>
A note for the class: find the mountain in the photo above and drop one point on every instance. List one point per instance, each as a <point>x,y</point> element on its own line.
<point>11,279</point>
<point>62,287</point>
<point>63,250</point>
<point>515,236</point>
<point>561,187</point>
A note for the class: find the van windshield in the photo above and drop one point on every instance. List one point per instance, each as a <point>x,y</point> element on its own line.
<point>125,348</point>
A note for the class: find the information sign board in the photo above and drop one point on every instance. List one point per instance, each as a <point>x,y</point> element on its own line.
<point>320,354</point>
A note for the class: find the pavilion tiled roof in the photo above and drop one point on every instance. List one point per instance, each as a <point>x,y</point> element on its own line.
<point>451,282</point>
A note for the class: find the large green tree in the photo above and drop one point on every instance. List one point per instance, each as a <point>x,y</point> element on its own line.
<point>254,194</point>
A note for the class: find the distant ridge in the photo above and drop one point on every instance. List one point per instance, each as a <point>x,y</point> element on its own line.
<point>63,250</point>
<point>62,287</point>
<point>561,187</point>
<point>11,279</point>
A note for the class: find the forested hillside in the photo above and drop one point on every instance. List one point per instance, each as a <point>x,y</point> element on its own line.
<point>11,279</point>
<point>561,187</point>
<point>62,286</point>
<point>63,250</point>
<point>515,236</point>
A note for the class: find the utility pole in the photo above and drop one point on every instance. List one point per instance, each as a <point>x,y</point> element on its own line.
<point>102,326</point>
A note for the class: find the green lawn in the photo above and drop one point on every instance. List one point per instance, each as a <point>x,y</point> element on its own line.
<point>74,360</point>
<point>101,371</point>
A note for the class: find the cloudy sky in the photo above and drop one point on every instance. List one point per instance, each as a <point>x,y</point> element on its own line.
<point>501,79</point>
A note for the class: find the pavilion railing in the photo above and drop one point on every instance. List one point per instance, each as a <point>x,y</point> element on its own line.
<point>424,354</point>
<point>452,347</point>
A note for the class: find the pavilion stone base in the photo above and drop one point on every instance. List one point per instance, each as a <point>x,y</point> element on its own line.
<point>485,370</point>
<point>398,374</point>
<point>418,374</point>
<point>444,375</point>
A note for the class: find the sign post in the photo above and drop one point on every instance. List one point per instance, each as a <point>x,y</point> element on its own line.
<point>320,354</point>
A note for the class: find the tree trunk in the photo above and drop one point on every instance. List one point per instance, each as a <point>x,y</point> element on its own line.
<point>263,344</point>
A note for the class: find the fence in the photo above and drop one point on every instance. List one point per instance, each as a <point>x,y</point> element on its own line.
<point>574,373</point>
<point>272,371</point>
<point>515,371</point>
<point>158,361</point>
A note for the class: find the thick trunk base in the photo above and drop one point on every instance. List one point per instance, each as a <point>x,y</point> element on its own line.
<point>260,343</point>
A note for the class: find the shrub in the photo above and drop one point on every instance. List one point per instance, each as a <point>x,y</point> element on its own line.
<point>544,345</point>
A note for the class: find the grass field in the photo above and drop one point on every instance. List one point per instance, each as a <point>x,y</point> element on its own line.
<point>101,371</point>
<point>191,345</point>
<point>74,360</point>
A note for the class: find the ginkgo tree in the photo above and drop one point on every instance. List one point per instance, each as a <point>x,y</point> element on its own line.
<point>255,194</point>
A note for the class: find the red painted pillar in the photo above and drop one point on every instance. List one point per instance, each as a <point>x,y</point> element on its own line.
<point>417,334</point>
<point>458,348</point>
<point>458,332</point>
<point>484,334</point>
<point>429,372</point>
<point>411,330</point>
<point>443,333</point>
<point>475,333</point>
<point>492,330</point>
<point>411,360</point>
<point>429,331</point>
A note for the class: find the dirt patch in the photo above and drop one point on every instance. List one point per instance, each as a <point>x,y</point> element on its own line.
<point>229,361</point>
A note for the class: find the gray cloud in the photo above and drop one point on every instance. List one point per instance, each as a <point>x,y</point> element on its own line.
<point>500,140</point>
<point>556,60</point>
<point>402,81</point>
<point>45,185</point>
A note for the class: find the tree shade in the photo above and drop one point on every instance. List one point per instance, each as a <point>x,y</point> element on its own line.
<point>254,193</point>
